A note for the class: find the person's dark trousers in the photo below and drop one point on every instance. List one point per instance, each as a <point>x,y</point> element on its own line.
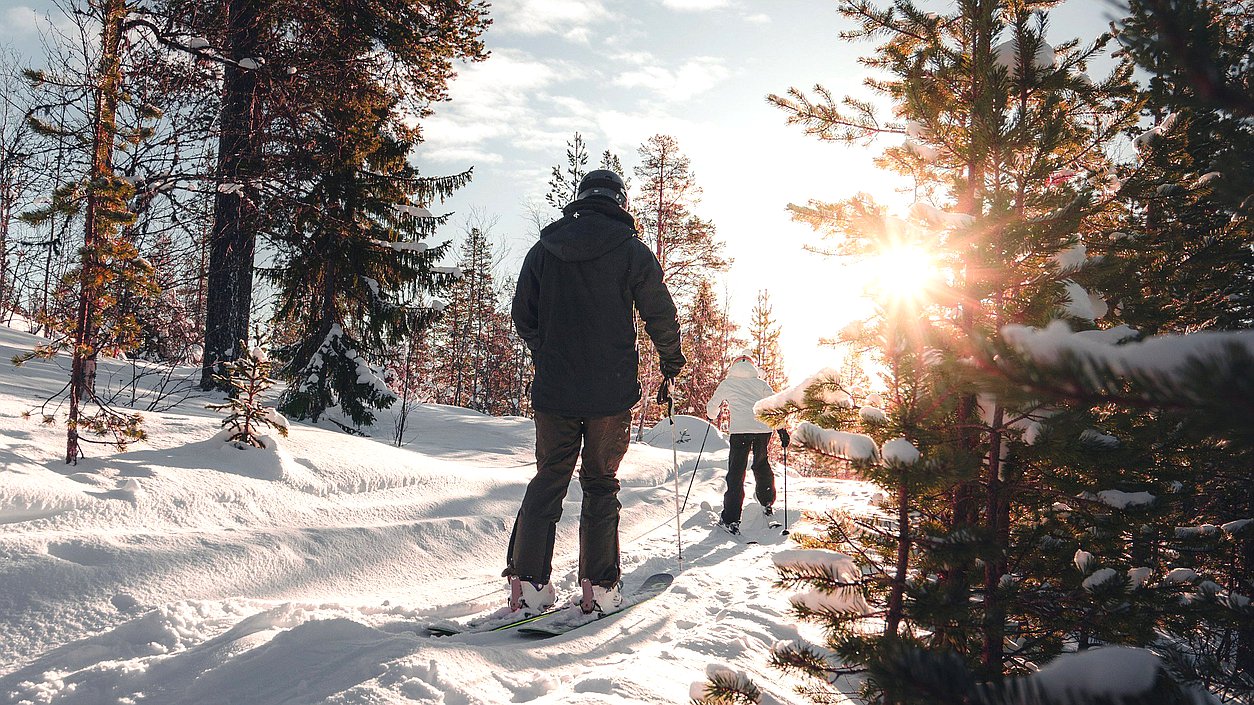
<point>737,459</point>
<point>558,442</point>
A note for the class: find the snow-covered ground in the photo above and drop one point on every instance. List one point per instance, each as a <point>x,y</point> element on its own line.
<point>187,571</point>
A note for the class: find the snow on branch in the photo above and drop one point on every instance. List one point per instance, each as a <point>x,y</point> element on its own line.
<point>900,451</point>
<point>818,390</point>
<point>838,444</point>
<point>1108,673</point>
<point>1151,136</point>
<point>403,246</point>
<point>1166,358</point>
<point>725,686</point>
<point>938,218</point>
<point>834,579</point>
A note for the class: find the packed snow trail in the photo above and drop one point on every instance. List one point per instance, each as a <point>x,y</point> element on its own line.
<point>186,571</point>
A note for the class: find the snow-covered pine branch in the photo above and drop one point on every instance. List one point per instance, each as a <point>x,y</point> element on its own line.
<point>725,686</point>
<point>854,447</point>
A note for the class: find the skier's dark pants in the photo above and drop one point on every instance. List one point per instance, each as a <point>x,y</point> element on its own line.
<point>737,459</point>
<point>558,441</point>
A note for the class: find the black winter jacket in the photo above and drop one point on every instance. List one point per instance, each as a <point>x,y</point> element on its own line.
<point>573,307</point>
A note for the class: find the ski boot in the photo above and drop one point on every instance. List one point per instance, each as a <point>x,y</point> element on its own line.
<point>599,599</point>
<point>529,598</point>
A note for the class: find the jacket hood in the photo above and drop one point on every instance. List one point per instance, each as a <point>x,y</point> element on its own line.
<point>744,368</point>
<point>588,229</point>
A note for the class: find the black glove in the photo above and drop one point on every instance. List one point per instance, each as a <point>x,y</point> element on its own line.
<point>783,436</point>
<point>670,370</point>
<point>664,390</point>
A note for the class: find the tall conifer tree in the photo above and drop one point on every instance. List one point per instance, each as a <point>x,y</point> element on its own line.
<point>1009,135</point>
<point>685,244</point>
<point>357,270</point>
<point>706,331</point>
<point>564,181</point>
<point>764,331</point>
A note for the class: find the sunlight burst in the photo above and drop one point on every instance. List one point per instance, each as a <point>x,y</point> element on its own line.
<point>902,273</point>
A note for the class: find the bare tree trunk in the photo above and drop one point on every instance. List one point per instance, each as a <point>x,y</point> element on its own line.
<point>1245,633</point>
<point>104,129</point>
<point>995,565</point>
<point>6,216</point>
<point>233,240</point>
<point>896,595</point>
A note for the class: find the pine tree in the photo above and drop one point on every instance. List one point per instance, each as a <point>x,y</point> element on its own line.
<point>564,183</point>
<point>18,174</point>
<point>110,271</point>
<point>1175,262</point>
<point>706,331</point>
<point>349,284</point>
<point>1002,131</point>
<point>276,54</point>
<point>356,270</point>
<point>519,370</point>
<point>468,341</point>
<point>612,162</point>
<point>764,333</point>
<point>684,244</point>
<point>248,378</point>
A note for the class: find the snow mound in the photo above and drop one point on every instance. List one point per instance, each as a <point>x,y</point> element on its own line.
<point>690,432</point>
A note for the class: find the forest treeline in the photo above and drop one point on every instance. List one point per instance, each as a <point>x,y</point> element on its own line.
<point>181,182</point>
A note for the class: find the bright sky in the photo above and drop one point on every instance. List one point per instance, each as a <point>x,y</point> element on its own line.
<point>619,71</point>
<point>700,70</point>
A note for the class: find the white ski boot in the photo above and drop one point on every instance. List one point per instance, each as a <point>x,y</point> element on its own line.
<point>528,598</point>
<point>600,599</point>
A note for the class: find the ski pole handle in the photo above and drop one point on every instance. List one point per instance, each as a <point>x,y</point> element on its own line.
<point>664,396</point>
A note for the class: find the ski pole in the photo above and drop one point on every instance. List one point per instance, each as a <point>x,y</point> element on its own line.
<point>785,531</point>
<point>694,468</point>
<point>664,397</point>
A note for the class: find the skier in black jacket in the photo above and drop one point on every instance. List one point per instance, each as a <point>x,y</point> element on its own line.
<point>574,307</point>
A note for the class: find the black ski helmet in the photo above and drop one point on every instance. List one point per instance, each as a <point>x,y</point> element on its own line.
<point>604,183</point>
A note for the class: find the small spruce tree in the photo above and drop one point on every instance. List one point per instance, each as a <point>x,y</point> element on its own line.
<point>248,379</point>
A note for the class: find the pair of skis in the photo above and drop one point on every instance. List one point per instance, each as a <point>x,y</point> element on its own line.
<point>554,622</point>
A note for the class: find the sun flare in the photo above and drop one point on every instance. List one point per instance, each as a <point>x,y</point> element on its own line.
<point>901,273</point>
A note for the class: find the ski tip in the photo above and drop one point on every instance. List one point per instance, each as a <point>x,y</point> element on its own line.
<point>658,579</point>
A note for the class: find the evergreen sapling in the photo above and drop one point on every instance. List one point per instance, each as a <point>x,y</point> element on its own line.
<point>248,379</point>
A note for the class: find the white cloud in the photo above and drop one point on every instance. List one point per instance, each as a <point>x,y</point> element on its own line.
<point>695,5</point>
<point>694,77</point>
<point>568,18</point>
<point>460,156</point>
<point>759,18</point>
<point>639,58</point>
<point>503,106</point>
<point>20,20</point>
<point>488,100</point>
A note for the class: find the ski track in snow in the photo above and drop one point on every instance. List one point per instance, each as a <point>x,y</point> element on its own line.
<point>185,572</point>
